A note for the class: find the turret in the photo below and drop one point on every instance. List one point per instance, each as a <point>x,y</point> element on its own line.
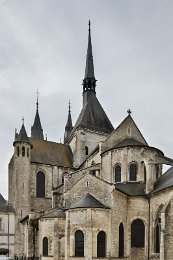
<point>68,127</point>
<point>36,129</point>
<point>21,143</point>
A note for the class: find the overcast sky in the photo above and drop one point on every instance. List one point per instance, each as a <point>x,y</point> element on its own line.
<point>43,46</point>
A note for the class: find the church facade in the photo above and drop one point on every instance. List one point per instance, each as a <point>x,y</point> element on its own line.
<point>101,194</point>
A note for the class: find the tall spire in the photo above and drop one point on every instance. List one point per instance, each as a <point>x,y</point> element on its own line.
<point>36,129</point>
<point>68,127</point>
<point>89,82</point>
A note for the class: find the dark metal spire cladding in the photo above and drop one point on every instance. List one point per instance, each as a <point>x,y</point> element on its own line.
<point>89,82</point>
<point>36,129</point>
<point>22,136</point>
<point>68,127</point>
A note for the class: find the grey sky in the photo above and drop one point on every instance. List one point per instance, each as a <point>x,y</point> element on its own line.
<point>43,46</point>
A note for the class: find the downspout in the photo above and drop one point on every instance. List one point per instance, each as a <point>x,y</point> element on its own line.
<point>8,236</point>
<point>149,209</point>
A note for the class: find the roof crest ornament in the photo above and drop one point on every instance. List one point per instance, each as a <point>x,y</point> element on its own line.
<point>129,111</point>
<point>37,99</point>
<point>23,120</point>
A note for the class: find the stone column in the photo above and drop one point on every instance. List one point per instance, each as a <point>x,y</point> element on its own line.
<point>88,240</point>
<point>162,237</point>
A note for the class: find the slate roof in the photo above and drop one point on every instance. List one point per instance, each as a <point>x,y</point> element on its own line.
<point>36,129</point>
<point>88,201</point>
<point>93,117</point>
<point>129,142</point>
<point>165,181</point>
<point>131,188</point>
<point>51,153</point>
<point>55,214</point>
<point>22,136</point>
<point>5,206</point>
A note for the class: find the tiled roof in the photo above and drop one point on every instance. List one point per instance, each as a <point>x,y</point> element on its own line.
<point>131,188</point>
<point>88,201</point>
<point>55,214</point>
<point>165,181</point>
<point>93,117</point>
<point>51,153</point>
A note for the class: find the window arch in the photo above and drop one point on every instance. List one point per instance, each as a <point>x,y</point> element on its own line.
<point>40,186</point>
<point>45,246</point>
<point>86,150</point>
<point>23,151</point>
<point>79,243</point>
<point>137,233</point>
<point>145,174</point>
<point>18,151</point>
<point>133,172</point>
<point>118,173</point>
<point>101,244</point>
<point>157,235</point>
<point>121,240</point>
<point>157,171</point>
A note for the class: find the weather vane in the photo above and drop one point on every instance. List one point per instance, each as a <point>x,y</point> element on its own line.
<point>22,120</point>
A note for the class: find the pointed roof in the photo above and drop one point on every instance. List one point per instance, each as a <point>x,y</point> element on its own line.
<point>93,117</point>
<point>89,69</point>
<point>126,134</point>
<point>36,129</point>
<point>22,136</point>
<point>2,200</point>
<point>68,127</point>
<point>88,201</point>
<point>5,206</point>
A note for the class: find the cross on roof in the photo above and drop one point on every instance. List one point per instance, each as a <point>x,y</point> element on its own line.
<point>129,111</point>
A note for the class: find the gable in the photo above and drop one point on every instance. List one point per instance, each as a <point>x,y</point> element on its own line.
<point>127,133</point>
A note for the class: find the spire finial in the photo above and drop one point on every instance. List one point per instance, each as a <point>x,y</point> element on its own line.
<point>89,24</point>
<point>129,111</point>
<point>37,98</point>
<point>69,106</point>
<point>23,120</point>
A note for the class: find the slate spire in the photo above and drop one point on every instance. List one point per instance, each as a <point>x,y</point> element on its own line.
<point>68,127</point>
<point>36,129</point>
<point>22,136</point>
<point>89,82</point>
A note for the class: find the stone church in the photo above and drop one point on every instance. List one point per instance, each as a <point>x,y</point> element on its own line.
<point>101,194</point>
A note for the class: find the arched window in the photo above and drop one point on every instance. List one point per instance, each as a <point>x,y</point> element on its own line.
<point>18,151</point>
<point>133,172</point>
<point>1,226</point>
<point>121,240</point>
<point>45,246</point>
<point>137,233</point>
<point>40,185</point>
<point>118,173</point>
<point>27,152</point>
<point>101,244</point>
<point>86,150</point>
<point>145,174</point>
<point>157,171</point>
<point>157,235</point>
<point>23,151</point>
<point>79,243</point>
<point>62,179</point>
